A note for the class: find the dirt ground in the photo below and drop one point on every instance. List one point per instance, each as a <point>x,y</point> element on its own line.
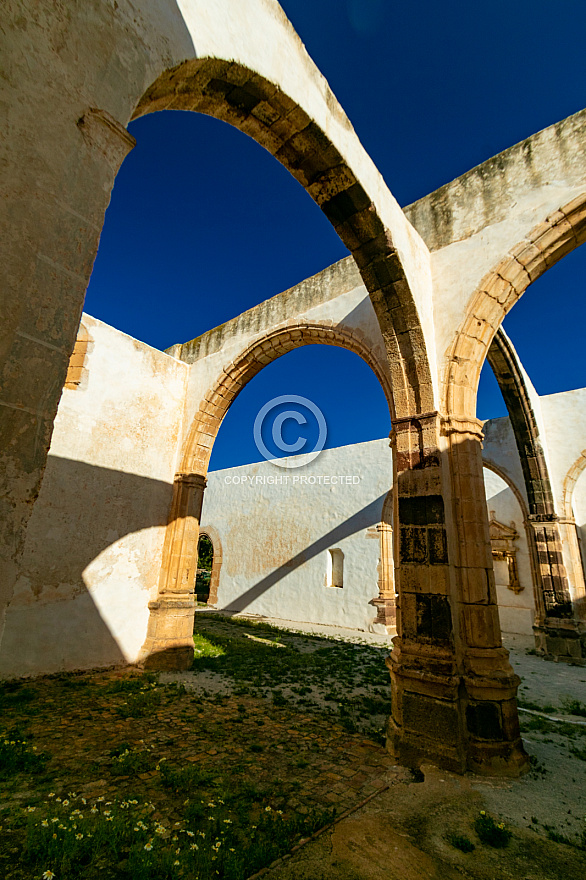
<point>281,732</point>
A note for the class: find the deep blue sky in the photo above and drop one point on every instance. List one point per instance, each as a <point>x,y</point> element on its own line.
<point>203,223</point>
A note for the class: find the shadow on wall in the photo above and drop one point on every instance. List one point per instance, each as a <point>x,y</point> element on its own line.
<point>81,599</point>
<point>368,516</point>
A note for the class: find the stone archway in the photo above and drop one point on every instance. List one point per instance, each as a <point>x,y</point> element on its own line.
<point>182,58</point>
<point>257,107</point>
<point>529,533</point>
<point>569,530</point>
<point>214,538</point>
<point>168,642</point>
<point>554,599</point>
<point>548,242</point>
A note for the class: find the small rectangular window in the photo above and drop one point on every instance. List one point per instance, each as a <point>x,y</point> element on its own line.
<point>335,572</point>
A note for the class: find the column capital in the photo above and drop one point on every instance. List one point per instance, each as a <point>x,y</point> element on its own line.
<point>195,481</point>
<point>539,519</point>
<point>459,425</point>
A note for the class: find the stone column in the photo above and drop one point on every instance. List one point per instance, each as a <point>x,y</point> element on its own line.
<point>386,612</point>
<point>169,642</point>
<point>453,687</point>
<point>53,210</point>
<point>560,630</point>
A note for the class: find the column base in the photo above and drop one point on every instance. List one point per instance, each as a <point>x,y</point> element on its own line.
<point>386,613</point>
<point>458,722</point>
<point>562,640</point>
<point>169,643</point>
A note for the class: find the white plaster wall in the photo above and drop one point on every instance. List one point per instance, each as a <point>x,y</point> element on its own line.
<point>500,449</point>
<point>579,509</point>
<point>94,542</point>
<point>350,310</point>
<point>275,537</point>
<point>516,611</point>
<point>564,418</point>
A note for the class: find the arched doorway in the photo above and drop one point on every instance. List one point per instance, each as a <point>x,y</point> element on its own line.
<point>183,528</point>
<point>205,561</point>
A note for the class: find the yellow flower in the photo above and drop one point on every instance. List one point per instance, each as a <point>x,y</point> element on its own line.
<point>148,846</point>
<point>44,823</point>
<point>48,875</point>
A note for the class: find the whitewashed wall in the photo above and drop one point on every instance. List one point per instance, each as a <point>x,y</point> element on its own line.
<point>516,610</point>
<point>94,542</point>
<point>276,535</point>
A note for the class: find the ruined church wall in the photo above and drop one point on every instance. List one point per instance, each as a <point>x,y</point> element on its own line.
<point>516,610</point>
<point>93,549</point>
<point>335,297</point>
<point>564,417</point>
<point>276,536</point>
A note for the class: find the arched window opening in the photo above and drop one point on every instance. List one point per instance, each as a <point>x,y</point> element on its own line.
<point>335,572</point>
<point>205,562</point>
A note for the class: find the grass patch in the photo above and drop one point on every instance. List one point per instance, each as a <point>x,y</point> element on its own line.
<point>17,755</point>
<point>573,707</point>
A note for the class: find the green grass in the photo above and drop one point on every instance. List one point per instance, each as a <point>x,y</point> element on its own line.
<point>222,646</point>
<point>18,755</point>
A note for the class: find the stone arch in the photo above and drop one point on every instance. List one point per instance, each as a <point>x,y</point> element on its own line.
<point>569,528</point>
<point>505,365</point>
<point>570,481</point>
<point>545,540</point>
<point>214,536</point>
<point>250,362</point>
<point>237,95</point>
<point>168,643</point>
<point>560,233</point>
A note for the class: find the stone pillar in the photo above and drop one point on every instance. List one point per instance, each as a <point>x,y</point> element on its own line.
<point>169,642</point>
<point>453,687</point>
<point>560,630</point>
<point>386,612</point>
<point>53,209</point>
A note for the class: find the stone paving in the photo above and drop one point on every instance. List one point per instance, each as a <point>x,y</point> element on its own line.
<point>301,762</point>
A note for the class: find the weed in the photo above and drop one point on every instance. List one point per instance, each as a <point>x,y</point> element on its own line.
<point>573,707</point>
<point>579,753</point>
<point>130,762</point>
<point>535,707</point>
<point>17,755</point>
<point>493,833</point>
<point>537,768</point>
<point>140,704</point>
<point>461,842</point>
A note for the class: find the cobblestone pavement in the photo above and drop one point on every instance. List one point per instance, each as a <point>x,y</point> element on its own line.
<point>115,734</point>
